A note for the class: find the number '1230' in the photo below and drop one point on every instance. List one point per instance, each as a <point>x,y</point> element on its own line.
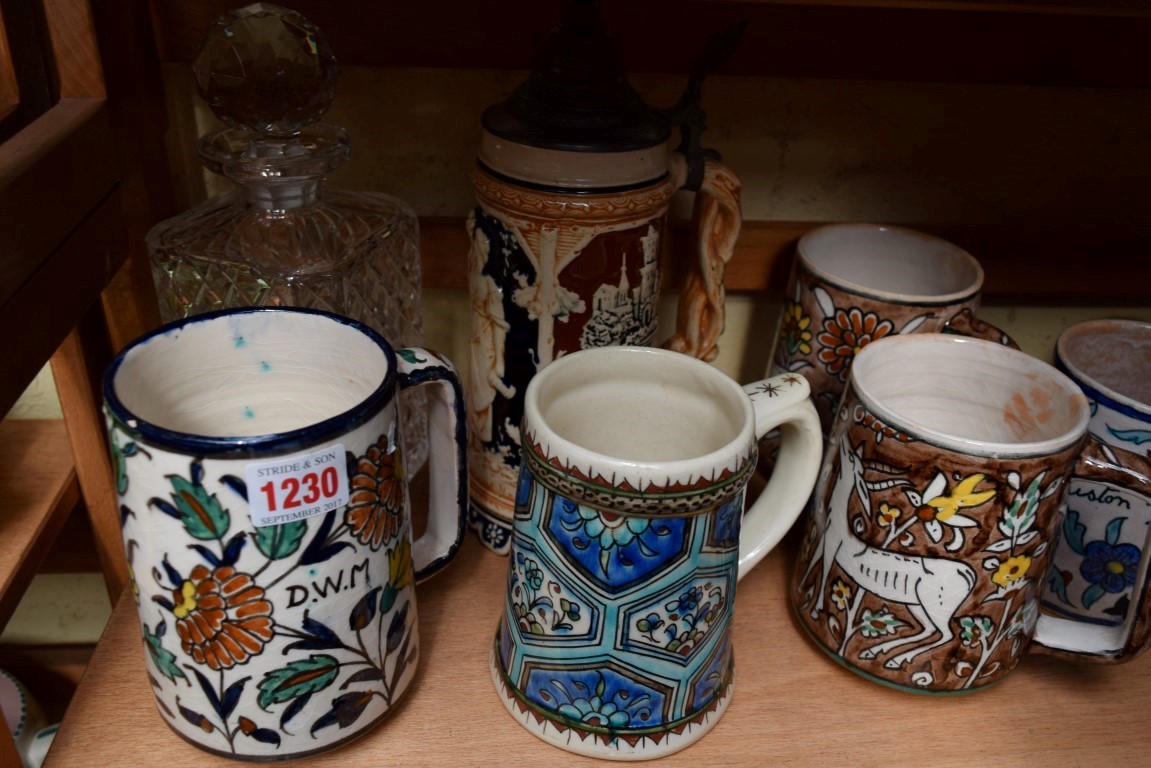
<point>292,492</point>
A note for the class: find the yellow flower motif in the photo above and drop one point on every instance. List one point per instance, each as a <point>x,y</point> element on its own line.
<point>188,592</point>
<point>795,330</point>
<point>888,514</point>
<point>1011,570</point>
<point>400,568</point>
<point>961,498</point>
<point>939,509</point>
<point>840,595</point>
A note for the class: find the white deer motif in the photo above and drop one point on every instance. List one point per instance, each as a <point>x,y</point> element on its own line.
<point>932,588</point>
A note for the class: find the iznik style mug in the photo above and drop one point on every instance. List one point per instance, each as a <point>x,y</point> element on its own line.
<point>267,522</point>
<point>852,284</point>
<point>1099,570</point>
<point>616,636</point>
<point>937,510</point>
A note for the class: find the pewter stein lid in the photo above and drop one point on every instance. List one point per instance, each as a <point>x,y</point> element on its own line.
<point>577,99</point>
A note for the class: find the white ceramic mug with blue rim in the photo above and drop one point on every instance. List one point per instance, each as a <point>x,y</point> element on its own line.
<point>1099,569</point>
<point>266,517</point>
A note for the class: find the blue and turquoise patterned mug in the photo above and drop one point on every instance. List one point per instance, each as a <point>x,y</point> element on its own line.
<point>266,517</point>
<point>629,537</point>
<point>1099,571</point>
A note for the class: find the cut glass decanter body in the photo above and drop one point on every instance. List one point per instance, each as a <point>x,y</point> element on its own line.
<point>281,237</point>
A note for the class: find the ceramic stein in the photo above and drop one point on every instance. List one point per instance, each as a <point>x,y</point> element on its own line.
<point>852,284</point>
<point>267,521</point>
<point>616,636</point>
<point>937,510</point>
<point>1098,573</point>
<point>573,182</point>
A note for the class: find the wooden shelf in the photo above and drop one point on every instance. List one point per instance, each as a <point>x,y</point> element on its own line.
<point>1022,265</point>
<point>792,704</point>
<point>38,489</point>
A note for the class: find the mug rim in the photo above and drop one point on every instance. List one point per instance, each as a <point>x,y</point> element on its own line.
<point>879,294</point>
<point>1097,389</point>
<point>1018,360</point>
<point>718,466</point>
<point>267,443</point>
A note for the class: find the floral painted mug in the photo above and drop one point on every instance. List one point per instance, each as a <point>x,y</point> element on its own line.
<point>266,518</point>
<point>1099,569</point>
<point>616,635</point>
<point>854,283</point>
<point>937,511</point>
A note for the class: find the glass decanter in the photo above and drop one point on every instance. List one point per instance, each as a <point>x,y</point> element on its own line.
<point>281,237</point>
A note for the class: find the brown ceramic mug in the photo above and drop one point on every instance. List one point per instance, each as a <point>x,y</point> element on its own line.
<point>938,508</point>
<point>855,283</point>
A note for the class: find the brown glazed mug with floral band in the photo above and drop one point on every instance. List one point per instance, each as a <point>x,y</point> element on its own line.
<point>937,511</point>
<point>854,283</point>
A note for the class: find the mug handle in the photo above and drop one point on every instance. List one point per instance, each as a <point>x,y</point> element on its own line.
<point>784,403</point>
<point>1082,641</point>
<point>965,323</point>
<point>447,458</point>
<point>715,224</point>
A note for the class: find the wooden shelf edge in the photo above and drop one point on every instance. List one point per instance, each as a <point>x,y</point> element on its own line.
<point>38,489</point>
<point>789,697</point>
<point>1022,265</point>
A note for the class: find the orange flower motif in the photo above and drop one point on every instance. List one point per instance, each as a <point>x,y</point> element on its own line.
<point>847,332</point>
<point>377,495</point>
<point>222,617</point>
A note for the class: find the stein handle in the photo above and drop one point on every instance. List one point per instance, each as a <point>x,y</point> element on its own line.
<point>784,403</point>
<point>716,221</point>
<point>447,462</point>
<point>1125,474</point>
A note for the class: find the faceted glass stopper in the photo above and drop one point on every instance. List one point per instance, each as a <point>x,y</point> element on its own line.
<point>267,69</point>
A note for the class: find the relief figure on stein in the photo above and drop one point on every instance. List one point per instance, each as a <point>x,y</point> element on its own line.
<point>537,293</point>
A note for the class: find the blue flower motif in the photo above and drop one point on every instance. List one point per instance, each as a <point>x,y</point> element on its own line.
<point>686,603</point>
<point>1112,566</point>
<point>611,530</point>
<point>596,711</point>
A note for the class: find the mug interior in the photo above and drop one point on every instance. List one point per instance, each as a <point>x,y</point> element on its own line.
<point>1112,357</point>
<point>248,373</point>
<point>639,404</point>
<point>891,262</point>
<point>966,394</point>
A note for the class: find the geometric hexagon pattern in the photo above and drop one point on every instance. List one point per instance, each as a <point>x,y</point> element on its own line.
<point>617,627</point>
<point>676,622</point>
<point>615,552</point>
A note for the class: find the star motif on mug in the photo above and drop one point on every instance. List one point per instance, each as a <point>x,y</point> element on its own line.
<point>771,390</point>
<point>792,379</point>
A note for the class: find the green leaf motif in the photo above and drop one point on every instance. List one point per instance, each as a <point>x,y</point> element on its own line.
<point>1074,531</point>
<point>388,598</point>
<point>164,659</point>
<point>1057,585</point>
<point>1114,529</point>
<point>280,541</point>
<point>410,356</point>
<point>200,511</point>
<point>1092,594</point>
<point>305,676</point>
<point>121,463</point>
